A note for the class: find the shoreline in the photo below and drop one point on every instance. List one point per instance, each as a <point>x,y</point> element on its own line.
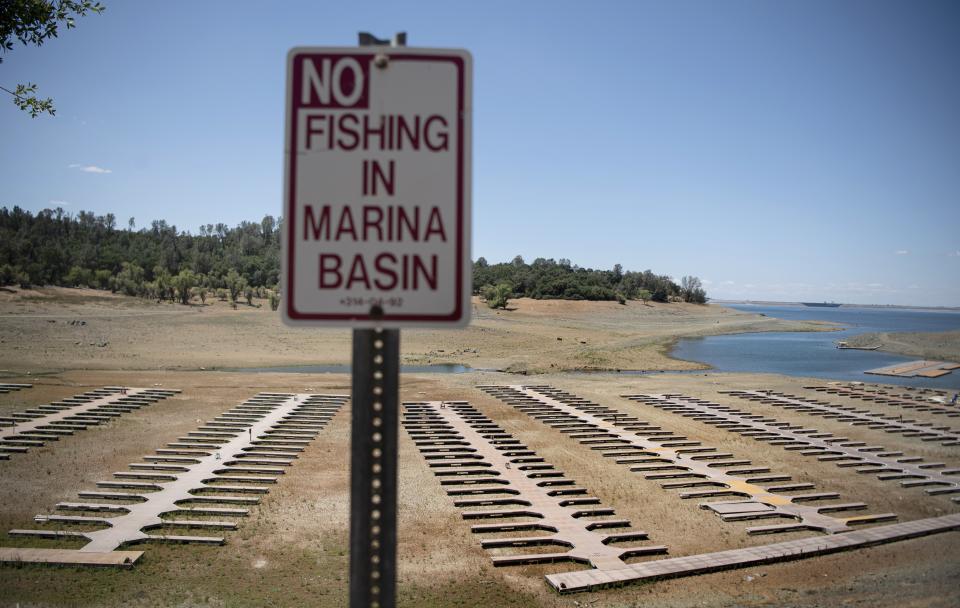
<point>62,328</point>
<point>937,346</point>
<point>844,305</point>
<point>663,347</point>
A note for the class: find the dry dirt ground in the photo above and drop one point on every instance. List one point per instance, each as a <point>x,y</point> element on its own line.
<point>58,328</point>
<point>944,346</point>
<point>292,550</point>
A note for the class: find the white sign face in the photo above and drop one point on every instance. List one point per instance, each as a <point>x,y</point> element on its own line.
<point>377,187</point>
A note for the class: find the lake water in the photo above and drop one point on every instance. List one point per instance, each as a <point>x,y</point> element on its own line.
<point>436,368</point>
<point>815,353</point>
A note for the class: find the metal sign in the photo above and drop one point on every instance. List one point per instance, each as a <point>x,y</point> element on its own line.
<point>377,187</point>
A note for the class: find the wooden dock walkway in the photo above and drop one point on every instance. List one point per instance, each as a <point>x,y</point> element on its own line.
<point>586,580</point>
<point>6,387</point>
<point>924,431</point>
<point>923,369</point>
<point>44,423</point>
<point>69,557</point>
<point>886,464</point>
<point>484,466</point>
<point>683,464</point>
<point>920,402</point>
<point>245,439</point>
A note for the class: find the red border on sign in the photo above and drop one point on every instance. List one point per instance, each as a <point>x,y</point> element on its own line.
<point>291,217</point>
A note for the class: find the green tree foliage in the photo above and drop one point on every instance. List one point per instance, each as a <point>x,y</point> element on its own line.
<point>25,98</point>
<point>549,279</point>
<point>159,261</point>
<point>33,22</point>
<point>129,280</point>
<point>496,296</point>
<point>79,277</point>
<point>691,290</point>
<point>235,284</point>
<point>183,284</point>
<point>55,248</point>
<point>101,279</point>
<point>9,274</point>
<point>163,283</point>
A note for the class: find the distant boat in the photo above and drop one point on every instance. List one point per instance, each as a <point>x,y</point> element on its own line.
<point>845,346</point>
<point>822,304</point>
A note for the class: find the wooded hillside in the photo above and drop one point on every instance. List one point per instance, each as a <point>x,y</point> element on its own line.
<point>56,248</point>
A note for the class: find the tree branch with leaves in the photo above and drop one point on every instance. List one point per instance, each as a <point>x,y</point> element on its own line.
<point>33,22</point>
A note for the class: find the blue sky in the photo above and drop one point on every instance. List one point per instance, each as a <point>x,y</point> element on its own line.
<point>778,150</point>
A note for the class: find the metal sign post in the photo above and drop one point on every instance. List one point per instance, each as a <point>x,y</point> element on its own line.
<point>373,454</point>
<point>373,467</point>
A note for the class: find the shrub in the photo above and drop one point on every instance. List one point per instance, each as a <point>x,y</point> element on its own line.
<point>78,277</point>
<point>183,284</point>
<point>130,280</point>
<point>8,274</point>
<point>497,297</point>
<point>235,284</point>
<point>101,279</point>
<point>200,292</point>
